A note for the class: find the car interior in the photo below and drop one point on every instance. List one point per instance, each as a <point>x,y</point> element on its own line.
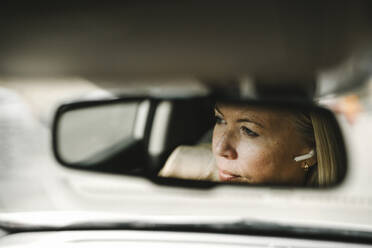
<point>135,166</point>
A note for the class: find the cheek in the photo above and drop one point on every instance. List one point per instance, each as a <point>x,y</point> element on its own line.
<point>255,161</point>
<point>269,162</point>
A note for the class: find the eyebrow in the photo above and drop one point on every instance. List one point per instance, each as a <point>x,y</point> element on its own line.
<point>241,120</point>
<point>250,121</point>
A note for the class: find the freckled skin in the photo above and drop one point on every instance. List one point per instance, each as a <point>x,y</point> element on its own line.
<point>265,154</point>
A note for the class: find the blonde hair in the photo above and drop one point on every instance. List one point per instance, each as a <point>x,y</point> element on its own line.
<point>321,131</point>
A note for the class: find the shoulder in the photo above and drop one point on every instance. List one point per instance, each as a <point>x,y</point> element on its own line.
<point>191,162</point>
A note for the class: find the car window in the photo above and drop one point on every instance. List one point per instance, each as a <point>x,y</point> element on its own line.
<point>98,129</point>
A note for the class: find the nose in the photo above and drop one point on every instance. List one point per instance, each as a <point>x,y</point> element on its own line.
<point>226,146</point>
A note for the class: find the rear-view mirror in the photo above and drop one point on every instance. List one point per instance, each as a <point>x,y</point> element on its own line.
<point>203,140</point>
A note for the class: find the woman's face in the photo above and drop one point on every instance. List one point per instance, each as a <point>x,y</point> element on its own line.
<point>256,145</point>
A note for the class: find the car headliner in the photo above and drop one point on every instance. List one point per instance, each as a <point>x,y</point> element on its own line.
<point>286,41</point>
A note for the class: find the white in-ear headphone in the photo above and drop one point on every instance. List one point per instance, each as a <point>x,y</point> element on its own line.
<point>305,156</point>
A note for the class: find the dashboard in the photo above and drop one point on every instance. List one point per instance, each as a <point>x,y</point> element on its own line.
<point>155,239</point>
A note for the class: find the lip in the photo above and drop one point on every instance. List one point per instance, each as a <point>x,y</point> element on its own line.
<point>226,176</point>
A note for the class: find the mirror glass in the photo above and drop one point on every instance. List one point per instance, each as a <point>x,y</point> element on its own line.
<point>205,140</point>
<point>85,132</point>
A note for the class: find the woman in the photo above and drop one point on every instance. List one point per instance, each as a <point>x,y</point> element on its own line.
<point>259,145</point>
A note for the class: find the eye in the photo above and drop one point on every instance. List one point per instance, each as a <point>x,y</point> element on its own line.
<point>219,120</point>
<point>248,131</point>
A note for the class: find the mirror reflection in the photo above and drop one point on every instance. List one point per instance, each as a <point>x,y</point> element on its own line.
<point>204,139</point>
<point>264,145</point>
<point>86,133</point>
